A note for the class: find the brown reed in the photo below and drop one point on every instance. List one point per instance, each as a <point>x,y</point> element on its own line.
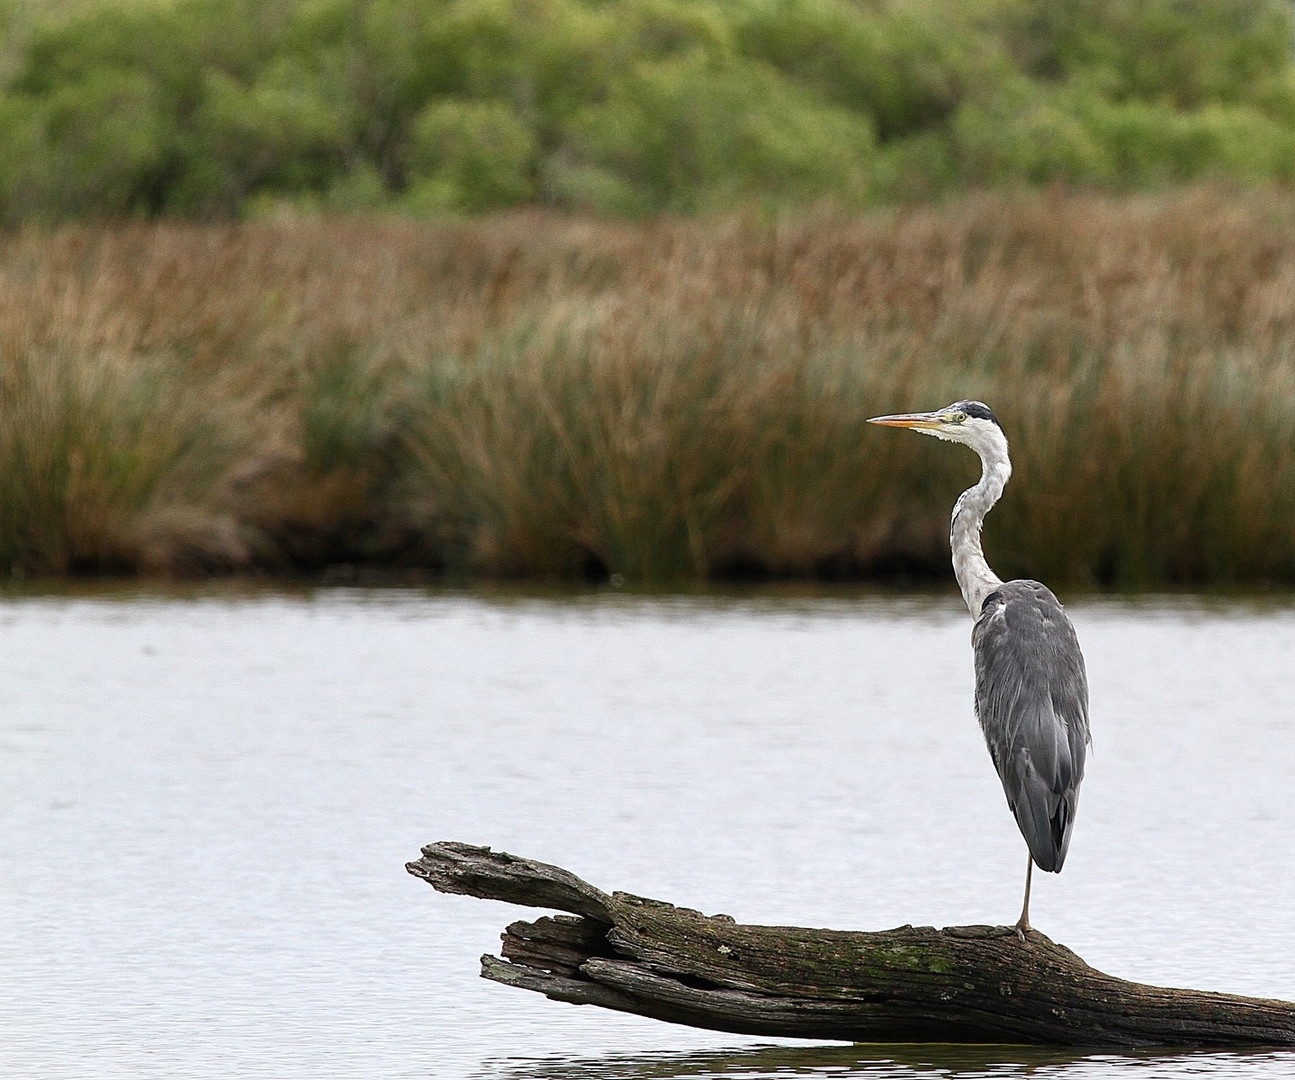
<point>536,395</point>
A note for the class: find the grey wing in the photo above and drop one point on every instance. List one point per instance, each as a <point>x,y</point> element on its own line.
<point>1032,703</point>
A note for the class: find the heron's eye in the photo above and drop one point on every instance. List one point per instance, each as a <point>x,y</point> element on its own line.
<point>958,417</point>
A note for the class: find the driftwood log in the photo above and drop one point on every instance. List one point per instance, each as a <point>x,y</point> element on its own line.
<point>962,984</point>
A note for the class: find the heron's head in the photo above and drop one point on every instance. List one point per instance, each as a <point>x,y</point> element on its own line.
<point>970,422</point>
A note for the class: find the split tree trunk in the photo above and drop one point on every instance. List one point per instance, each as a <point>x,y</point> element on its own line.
<point>913,984</point>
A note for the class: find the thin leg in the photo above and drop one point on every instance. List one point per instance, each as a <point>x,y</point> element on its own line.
<point>1023,924</point>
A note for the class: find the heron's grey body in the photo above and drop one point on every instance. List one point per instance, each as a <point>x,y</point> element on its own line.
<point>1031,686</point>
<point>1032,702</point>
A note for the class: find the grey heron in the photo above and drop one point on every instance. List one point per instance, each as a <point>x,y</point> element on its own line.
<point>1031,686</point>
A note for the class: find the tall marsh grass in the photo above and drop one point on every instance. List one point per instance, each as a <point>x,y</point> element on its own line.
<point>105,469</point>
<point>536,395</point>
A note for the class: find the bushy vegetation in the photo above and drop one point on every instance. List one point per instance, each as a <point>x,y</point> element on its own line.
<point>537,395</point>
<point>217,108</point>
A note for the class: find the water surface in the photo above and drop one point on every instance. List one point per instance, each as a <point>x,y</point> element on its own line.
<point>206,803</point>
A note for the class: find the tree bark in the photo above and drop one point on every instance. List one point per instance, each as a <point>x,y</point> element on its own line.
<point>964,984</point>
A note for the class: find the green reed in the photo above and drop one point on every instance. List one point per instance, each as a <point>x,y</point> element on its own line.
<point>108,467</point>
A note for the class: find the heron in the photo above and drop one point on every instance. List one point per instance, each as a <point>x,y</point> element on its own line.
<point>1031,684</point>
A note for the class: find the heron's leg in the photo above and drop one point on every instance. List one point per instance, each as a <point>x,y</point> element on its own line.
<point>1023,924</point>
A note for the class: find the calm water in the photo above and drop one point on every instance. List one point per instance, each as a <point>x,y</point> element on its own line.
<point>206,804</point>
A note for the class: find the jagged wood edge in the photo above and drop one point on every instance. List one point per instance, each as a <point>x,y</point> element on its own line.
<point>910,984</point>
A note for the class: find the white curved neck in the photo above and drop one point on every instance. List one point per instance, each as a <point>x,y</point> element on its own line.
<point>975,578</point>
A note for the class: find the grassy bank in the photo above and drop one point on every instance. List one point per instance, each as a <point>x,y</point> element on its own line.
<point>536,395</point>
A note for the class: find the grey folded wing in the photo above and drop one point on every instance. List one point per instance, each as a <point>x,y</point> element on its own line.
<point>1032,703</point>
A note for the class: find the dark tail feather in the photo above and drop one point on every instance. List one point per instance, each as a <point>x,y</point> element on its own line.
<point>1044,817</point>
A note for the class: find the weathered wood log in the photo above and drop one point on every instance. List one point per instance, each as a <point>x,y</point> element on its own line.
<point>965,984</point>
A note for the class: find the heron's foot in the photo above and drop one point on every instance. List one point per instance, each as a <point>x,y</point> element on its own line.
<point>1022,927</point>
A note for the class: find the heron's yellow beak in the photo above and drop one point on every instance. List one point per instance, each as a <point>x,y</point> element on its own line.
<point>924,421</point>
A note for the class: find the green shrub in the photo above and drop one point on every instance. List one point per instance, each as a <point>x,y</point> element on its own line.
<point>625,107</point>
<point>100,146</point>
<point>690,134</point>
<point>1023,136</point>
<point>470,156</point>
<point>278,134</point>
<point>545,58</point>
<point>906,66</point>
<point>23,168</point>
<point>1182,53</point>
<point>1152,144</point>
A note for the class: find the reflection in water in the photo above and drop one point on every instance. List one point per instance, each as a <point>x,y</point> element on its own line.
<point>894,1062</point>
